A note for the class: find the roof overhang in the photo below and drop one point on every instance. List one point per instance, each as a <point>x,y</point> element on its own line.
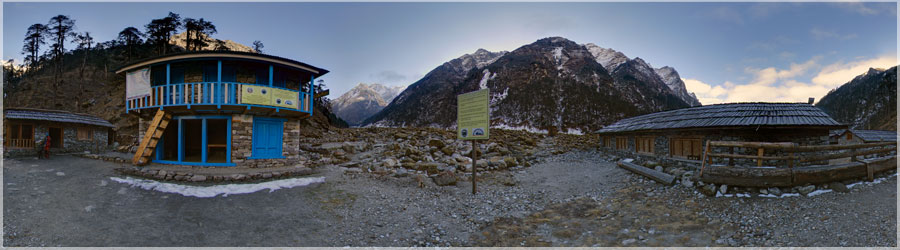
<point>220,54</point>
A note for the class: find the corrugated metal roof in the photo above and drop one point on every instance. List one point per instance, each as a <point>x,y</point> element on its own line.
<point>727,115</point>
<point>875,135</point>
<point>54,115</point>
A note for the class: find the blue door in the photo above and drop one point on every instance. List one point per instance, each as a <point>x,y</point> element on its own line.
<point>267,138</point>
<point>210,75</point>
<point>177,75</point>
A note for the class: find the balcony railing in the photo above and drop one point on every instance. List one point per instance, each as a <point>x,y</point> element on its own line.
<point>208,93</point>
<point>19,143</point>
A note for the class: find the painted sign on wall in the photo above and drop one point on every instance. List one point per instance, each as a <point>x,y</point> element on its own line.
<point>251,94</point>
<point>473,115</point>
<point>285,98</point>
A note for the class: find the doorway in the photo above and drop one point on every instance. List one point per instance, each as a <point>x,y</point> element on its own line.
<point>56,140</point>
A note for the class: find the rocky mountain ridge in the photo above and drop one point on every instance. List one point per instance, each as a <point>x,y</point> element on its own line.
<point>363,101</point>
<point>552,84</point>
<point>869,101</point>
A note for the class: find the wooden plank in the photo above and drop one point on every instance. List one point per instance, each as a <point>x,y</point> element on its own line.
<point>649,173</point>
<point>751,157</point>
<point>844,154</point>
<point>703,159</point>
<point>323,93</point>
<point>795,148</point>
<point>748,177</point>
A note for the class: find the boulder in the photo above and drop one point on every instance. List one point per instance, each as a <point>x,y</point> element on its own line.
<point>708,190</point>
<point>436,143</point>
<point>511,161</point>
<point>198,178</point>
<point>686,181</point>
<point>838,187</point>
<point>805,190</point>
<point>723,189</point>
<point>774,191</point>
<point>445,178</point>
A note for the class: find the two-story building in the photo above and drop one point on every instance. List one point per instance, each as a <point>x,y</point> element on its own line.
<point>219,108</point>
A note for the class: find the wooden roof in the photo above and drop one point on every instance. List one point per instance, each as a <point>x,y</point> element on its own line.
<point>873,135</point>
<point>54,116</point>
<point>317,72</point>
<point>727,115</point>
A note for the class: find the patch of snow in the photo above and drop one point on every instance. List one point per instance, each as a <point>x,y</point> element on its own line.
<point>497,98</point>
<point>818,192</point>
<point>873,182</point>
<point>628,160</point>
<point>521,128</point>
<point>213,191</point>
<point>484,79</point>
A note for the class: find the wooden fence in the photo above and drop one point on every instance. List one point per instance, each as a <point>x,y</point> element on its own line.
<point>812,161</point>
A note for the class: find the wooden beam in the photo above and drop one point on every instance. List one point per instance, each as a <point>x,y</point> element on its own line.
<point>650,173</point>
<point>321,94</point>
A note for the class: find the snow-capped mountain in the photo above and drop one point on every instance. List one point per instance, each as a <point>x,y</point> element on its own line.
<point>611,59</point>
<point>869,101</point>
<point>549,84</point>
<point>363,101</point>
<point>673,80</point>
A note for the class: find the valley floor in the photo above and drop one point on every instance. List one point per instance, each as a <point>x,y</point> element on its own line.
<point>576,198</point>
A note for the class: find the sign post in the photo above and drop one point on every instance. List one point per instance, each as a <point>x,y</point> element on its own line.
<point>473,123</point>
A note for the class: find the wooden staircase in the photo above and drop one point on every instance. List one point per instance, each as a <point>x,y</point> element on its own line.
<point>154,132</point>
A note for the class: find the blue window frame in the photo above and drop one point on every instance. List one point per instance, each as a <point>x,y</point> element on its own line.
<point>204,142</point>
<point>267,138</point>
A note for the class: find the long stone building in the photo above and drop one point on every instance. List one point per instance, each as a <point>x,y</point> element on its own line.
<point>680,135</point>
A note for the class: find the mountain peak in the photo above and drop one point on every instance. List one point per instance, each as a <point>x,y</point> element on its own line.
<point>609,58</point>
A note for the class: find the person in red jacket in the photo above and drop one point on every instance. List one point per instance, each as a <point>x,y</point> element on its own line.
<point>47,147</point>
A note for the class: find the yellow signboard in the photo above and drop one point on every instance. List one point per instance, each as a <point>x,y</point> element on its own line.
<point>251,94</point>
<point>473,116</point>
<point>285,98</point>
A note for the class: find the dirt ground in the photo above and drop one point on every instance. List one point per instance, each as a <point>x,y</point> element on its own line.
<point>572,199</point>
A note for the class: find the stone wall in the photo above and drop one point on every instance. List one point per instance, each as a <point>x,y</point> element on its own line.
<point>242,141</point>
<point>70,142</point>
<point>662,154</point>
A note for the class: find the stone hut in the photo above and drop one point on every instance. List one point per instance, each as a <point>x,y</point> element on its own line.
<point>679,136</point>
<point>853,136</point>
<point>24,129</point>
<point>219,108</point>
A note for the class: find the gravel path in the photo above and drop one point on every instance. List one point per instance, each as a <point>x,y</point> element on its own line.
<point>571,199</point>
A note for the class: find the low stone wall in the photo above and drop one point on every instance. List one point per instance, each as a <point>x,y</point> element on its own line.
<point>190,174</point>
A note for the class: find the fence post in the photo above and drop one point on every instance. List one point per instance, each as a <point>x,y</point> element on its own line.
<point>731,159</point>
<point>703,160</point>
<point>853,156</point>
<point>759,156</point>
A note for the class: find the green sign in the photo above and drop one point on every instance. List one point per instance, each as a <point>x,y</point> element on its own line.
<point>473,117</point>
<point>252,94</point>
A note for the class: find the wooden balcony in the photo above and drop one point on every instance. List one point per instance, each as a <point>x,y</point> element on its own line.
<point>215,96</point>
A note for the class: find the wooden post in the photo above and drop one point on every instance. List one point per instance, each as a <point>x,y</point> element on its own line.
<point>791,160</point>
<point>853,158</point>
<point>703,160</point>
<point>731,159</point>
<point>474,166</point>
<point>759,155</point>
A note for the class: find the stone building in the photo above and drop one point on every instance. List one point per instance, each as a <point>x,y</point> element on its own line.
<point>24,129</point>
<point>220,108</point>
<point>679,136</point>
<point>853,136</point>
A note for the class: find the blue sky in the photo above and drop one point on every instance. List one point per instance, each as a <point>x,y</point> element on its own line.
<point>725,52</point>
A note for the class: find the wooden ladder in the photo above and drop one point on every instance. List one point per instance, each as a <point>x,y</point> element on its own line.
<point>154,132</point>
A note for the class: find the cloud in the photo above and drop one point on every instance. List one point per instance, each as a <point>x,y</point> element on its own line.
<point>869,9</point>
<point>770,75</point>
<point>820,34</point>
<point>839,73</point>
<point>724,14</point>
<point>389,76</point>
<point>786,84</point>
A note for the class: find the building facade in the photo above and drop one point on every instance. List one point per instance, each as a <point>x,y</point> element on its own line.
<point>25,129</point>
<point>681,135</point>
<point>222,109</point>
<point>853,136</point>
